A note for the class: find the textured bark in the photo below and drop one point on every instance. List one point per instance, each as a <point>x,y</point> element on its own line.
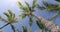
<point>48,24</point>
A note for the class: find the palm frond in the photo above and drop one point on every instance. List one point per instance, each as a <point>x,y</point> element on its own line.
<point>21,6</point>
<point>57,0</point>
<point>13,28</point>
<point>10,12</point>
<point>4,25</point>
<point>0,30</point>
<point>55,15</point>
<point>22,15</point>
<point>40,25</point>
<point>10,16</point>
<point>6,14</point>
<point>24,29</point>
<point>34,4</point>
<point>0,17</point>
<point>40,7</point>
<point>27,3</point>
<point>50,6</point>
<point>13,16</point>
<point>19,3</point>
<point>30,20</point>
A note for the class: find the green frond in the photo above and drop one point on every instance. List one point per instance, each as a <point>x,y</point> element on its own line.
<point>0,17</point>
<point>22,15</point>
<point>0,30</point>
<point>19,3</point>
<point>34,2</point>
<point>40,7</point>
<point>25,8</point>
<point>30,20</point>
<point>50,6</point>
<point>13,28</point>
<point>40,25</point>
<point>6,14</point>
<point>24,29</point>
<point>55,15</point>
<point>10,19</point>
<point>10,12</point>
<point>13,16</point>
<point>27,3</point>
<point>57,0</point>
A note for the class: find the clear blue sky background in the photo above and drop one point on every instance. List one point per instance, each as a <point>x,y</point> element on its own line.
<point>7,4</point>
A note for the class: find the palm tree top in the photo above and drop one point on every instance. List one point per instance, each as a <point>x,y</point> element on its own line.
<point>10,16</point>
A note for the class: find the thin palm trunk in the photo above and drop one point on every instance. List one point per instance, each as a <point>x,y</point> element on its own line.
<point>48,24</point>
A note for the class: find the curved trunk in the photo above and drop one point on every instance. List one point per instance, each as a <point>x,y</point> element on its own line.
<point>48,24</point>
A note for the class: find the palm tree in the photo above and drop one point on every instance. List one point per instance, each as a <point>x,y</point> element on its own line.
<point>27,10</point>
<point>10,19</point>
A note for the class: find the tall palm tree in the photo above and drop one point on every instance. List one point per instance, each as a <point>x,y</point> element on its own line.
<point>10,19</point>
<point>27,10</point>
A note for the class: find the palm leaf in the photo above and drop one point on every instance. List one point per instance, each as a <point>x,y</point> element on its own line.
<point>57,0</point>
<point>40,25</point>
<point>10,16</point>
<point>40,7</point>
<point>19,3</point>
<point>24,29</point>
<point>0,30</point>
<point>10,12</point>
<point>55,15</point>
<point>22,16</point>
<point>27,3</point>
<point>13,16</point>
<point>10,19</point>
<point>30,20</point>
<point>34,3</point>
<point>13,28</point>
<point>6,14</point>
<point>0,17</point>
<point>49,4</point>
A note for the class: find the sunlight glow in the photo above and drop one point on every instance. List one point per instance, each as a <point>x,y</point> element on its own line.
<point>12,2</point>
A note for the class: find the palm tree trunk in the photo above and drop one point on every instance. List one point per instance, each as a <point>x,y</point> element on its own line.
<point>48,24</point>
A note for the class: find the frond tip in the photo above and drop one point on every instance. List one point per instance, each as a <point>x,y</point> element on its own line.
<point>6,14</point>
<point>0,30</point>
<point>19,3</point>
<point>0,17</point>
<point>10,12</point>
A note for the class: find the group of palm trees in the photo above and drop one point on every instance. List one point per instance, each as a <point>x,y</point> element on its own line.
<point>45,25</point>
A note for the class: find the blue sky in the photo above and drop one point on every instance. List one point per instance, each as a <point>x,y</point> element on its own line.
<point>12,4</point>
